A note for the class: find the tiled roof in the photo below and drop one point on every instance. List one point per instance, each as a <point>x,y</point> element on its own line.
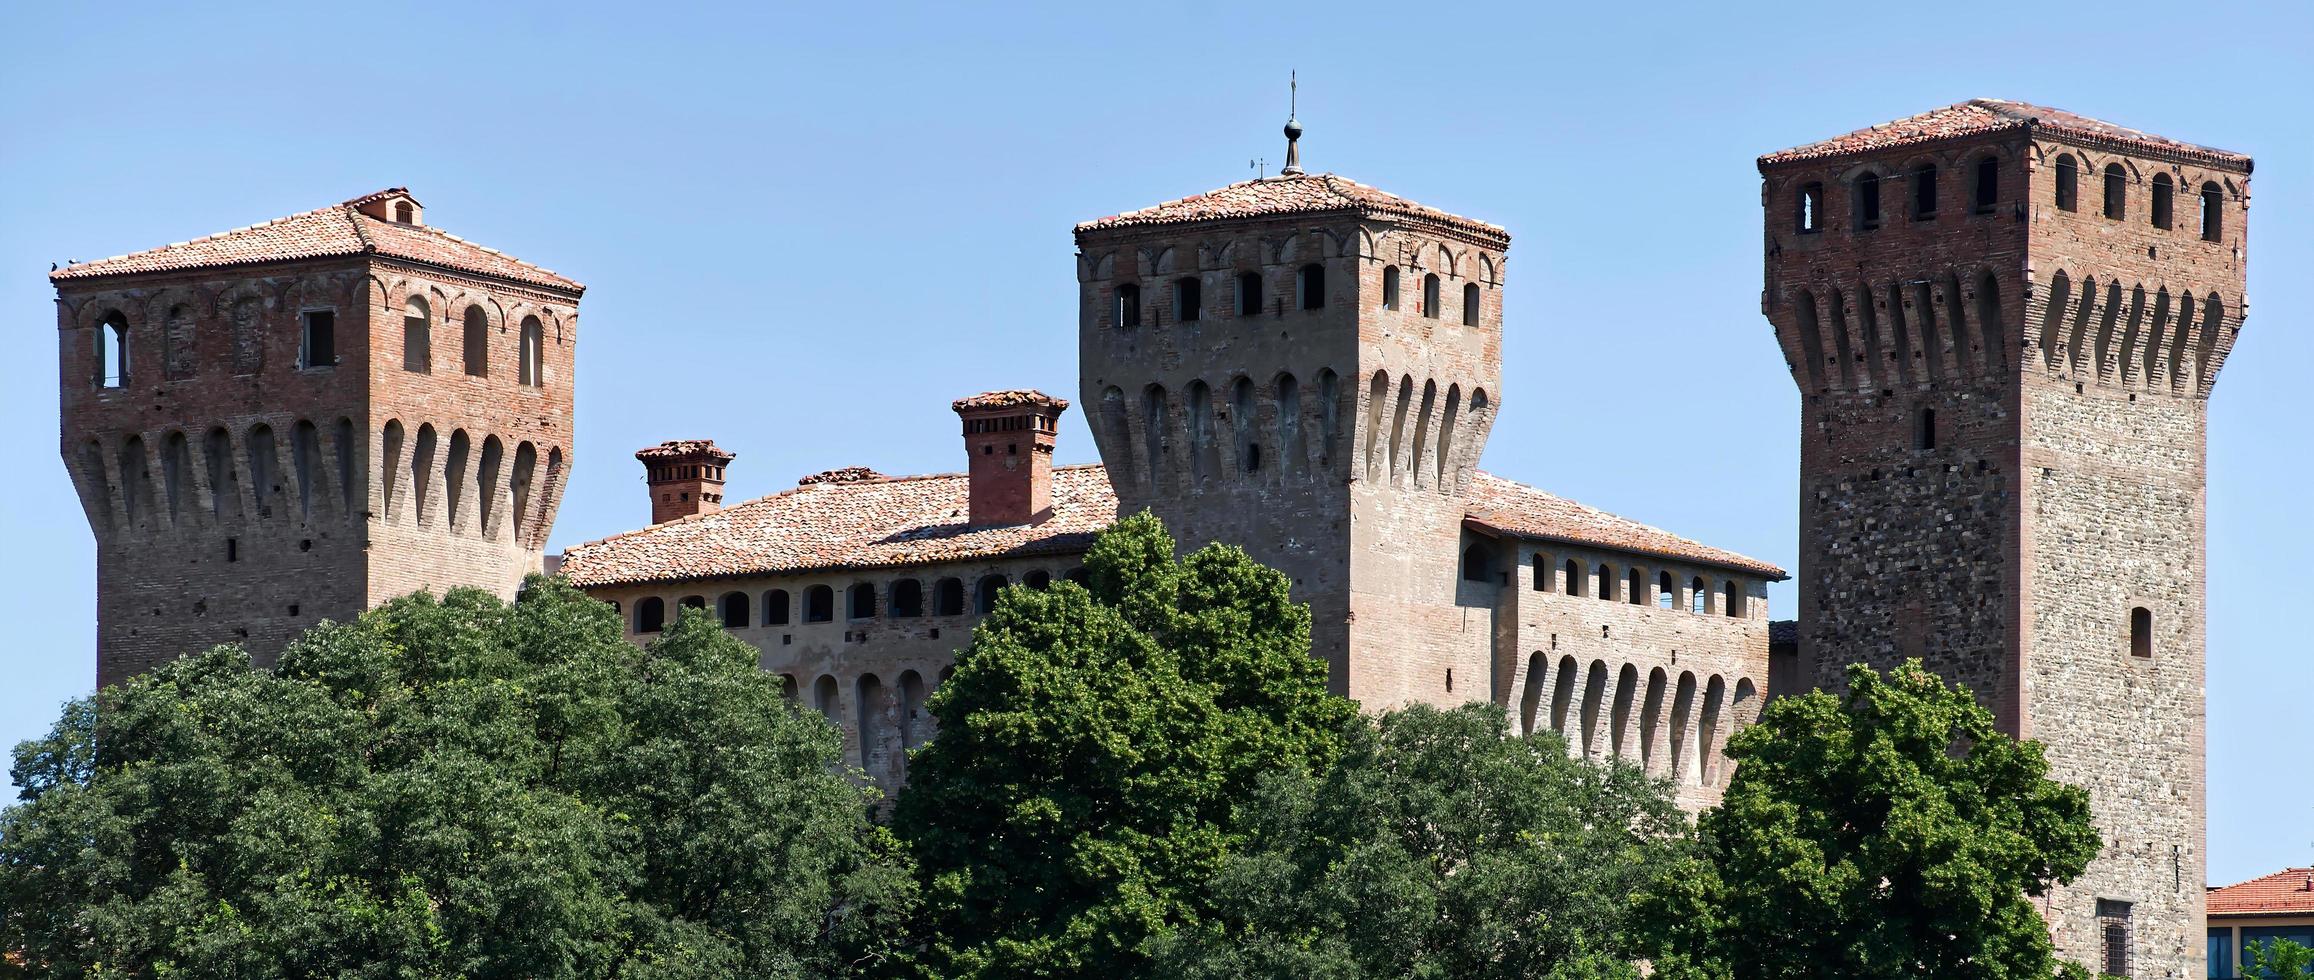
<point>1977,116</point>
<point>337,230</point>
<point>857,518</point>
<point>1517,509</point>
<point>682,448</point>
<point>1784,632</point>
<point>2289,891</point>
<point>1008,399</point>
<point>1291,194</point>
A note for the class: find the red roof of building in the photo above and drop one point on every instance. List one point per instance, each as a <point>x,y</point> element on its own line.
<point>685,448</point>
<point>872,521</point>
<point>2289,891</point>
<point>1010,398</point>
<point>337,230</point>
<point>1293,194</point>
<point>1981,116</point>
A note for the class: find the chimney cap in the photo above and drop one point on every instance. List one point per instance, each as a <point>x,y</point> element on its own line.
<point>686,449</point>
<point>1011,398</point>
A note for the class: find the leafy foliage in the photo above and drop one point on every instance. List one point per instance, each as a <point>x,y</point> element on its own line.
<point>1438,846</point>
<point>449,788</point>
<point>2278,958</point>
<point>1093,746</point>
<point>1897,834</point>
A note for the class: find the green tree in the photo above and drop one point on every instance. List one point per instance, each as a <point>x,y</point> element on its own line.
<point>2280,958</point>
<point>1093,745</point>
<point>452,787</point>
<point>1439,846</point>
<point>1897,833</point>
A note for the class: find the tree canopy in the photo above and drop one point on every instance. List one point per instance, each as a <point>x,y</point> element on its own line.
<point>1896,833</point>
<point>449,788</point>
<point>1094,746</point>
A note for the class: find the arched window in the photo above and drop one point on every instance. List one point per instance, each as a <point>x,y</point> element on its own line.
<point>1867,194</point>
<point>1470,304</point>
<point>2162,193</point>
<point>1128,311</point>
<point>1988,189</point>
<point>1430,295</point>
<point>417,336</point>
<point>1188,299</point>
<point>694,602</point>
<point>1390,287</point>
<point>112,351</point>
<point>1478,563</point>
<point>1924,192</point>
<point>317,339</point>
<point>404,213</point>
<point>1080,575</point>
<point>477,342</point>
<point>1635,587</point>
<point>907,599</point>
<point>2068,183</point>
<point>775,608</point>
<point>819,604</point>
<point>1698,596</point>
<point>1666,591</point>
<point>532,370</point>
<point>1732,599</point>
<point>1574,577</point>
<point>1539,568</point>
<point>1606,582</point>
<point>650,615</point>
<point>1248,293</point>
<point>948,598</point>
<point>984,593</point>
<point>734,610</point>
<point>1808,208</point>
<point>1310,287</point>
<point>825,697</point>
<point>860,601</point>
<point>2116,190</point>
<point>1038,579</point>
<point>2213,213</point>
<point>2141,632</point>
<point>1242,418</point>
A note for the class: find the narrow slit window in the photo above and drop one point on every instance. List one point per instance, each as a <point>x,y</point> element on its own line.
<point>2141,632</point>
<point>1868,201</point>
<point>1924,192</point>
<point>112,351</point>
<point>1248,293</point>
<point>2116,191</point>
<point>1128,306</point>
<point>1988,189</point>
<point>2213,214</point>
<point>1430,296</point>
<point>1924,429</point>
<point>1188,299</point>
<point>1809,209</point>
<point>2163,195</point>
<point>1390,287</point>
<point>1470,304</point>
<point>1311,283</point>
<point>2068,183</point>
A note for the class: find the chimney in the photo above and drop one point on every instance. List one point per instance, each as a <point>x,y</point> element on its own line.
<point>685,476</point>
<point>1009,436</point>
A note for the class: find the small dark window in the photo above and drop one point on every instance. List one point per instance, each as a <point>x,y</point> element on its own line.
<point>1248,293</point>
<point>2141,632</point>
<point>2113,928</point>
<point>1188,299</point>
<point>2162,194</point>
<point>232,549</point>
<point>907,599</point>
<point>1924,429</point>
<point>1079,575</point>
<point>2068,183</point>
<point>2213,215</point>
<point>694,602</point>
<point>1635,587</point>
<point>984,594</point>
<point>819,604</point>
<point>1988,189</point>
<point>318,346</point>
<point>948,598</point>
<point>1128,306</point>
<point>651,615</point>
<point>476,345</point>
<point>775,608</point>
<point>1868,201</point>
<point>1666,591</point>
<point>1606,582</point>
<point>112,351</point>
<point>1574,572</point>
<point>532,351</point>
<point>2116,191</point>
<point>1809,209</point>
<point>1390,287</point>
<point>1470,301</point>
<point>1039,580</point>
<point>735,610</point>
<point>403,213</point>
<point>1310,284</point>
<point>1478,563</point>
<point>1924,192</point>
<point>860,601</point>
<point>1430,296</point>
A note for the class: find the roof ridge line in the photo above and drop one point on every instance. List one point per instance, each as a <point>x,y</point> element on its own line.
<point>354,218</point>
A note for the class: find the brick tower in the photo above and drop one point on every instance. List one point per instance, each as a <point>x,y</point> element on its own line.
<point>1009,437</point>
<point>303,418</point>
<point>1308,367</point>
<point>2005,321</point>
<point>685,477</point>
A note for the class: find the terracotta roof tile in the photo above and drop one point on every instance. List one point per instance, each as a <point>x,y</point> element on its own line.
<point>337,230</point>
<point>681,448</point>
<point>1784,632</point>
<point>1517,509</point>
<point>857,518</point>
<point>1978,116</point>
<point>1291,194</point>
<point>2289,891</point>
<point>1010,398</point>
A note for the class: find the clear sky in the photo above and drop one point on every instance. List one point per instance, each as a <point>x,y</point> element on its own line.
<point>804,231</point>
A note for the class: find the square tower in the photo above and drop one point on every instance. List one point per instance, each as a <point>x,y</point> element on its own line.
<point>303,418</point>
<point>2005,321</point>
<point>1307,367</point>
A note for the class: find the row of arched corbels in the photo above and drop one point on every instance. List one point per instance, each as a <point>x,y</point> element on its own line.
<point>1868,336</point>
<point>1676,729</point>
<point>2099,330</point>
<point>443,478</point>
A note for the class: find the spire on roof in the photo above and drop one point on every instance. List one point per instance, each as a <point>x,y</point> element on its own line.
<point>1293,127</point>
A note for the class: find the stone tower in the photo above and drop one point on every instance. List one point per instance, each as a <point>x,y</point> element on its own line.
<point>685,477</point>
<point>303,418</point>
<point>2005,321</point>
<point>1308,367</point>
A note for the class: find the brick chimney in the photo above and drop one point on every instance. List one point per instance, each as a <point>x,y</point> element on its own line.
<point>1009,436</point>
<point>685,476</point>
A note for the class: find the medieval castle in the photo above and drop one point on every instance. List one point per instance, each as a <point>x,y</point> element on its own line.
<point>2004,320</point>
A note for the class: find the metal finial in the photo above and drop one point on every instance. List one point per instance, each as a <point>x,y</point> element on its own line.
<point>1293,126</point>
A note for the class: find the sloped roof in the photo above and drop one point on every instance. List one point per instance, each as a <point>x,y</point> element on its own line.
<point>337,230</point>
<point>872,521</point>
<point>1288,194</point>
<point>1979,116</point>
<point>2289,891</point>
<point>681,448</point>
<point>1519,510</point>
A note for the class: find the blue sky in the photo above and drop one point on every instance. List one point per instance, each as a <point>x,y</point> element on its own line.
<point>805,231</point>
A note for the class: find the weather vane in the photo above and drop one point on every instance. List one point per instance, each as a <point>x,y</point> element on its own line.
<point>1293,126</point>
